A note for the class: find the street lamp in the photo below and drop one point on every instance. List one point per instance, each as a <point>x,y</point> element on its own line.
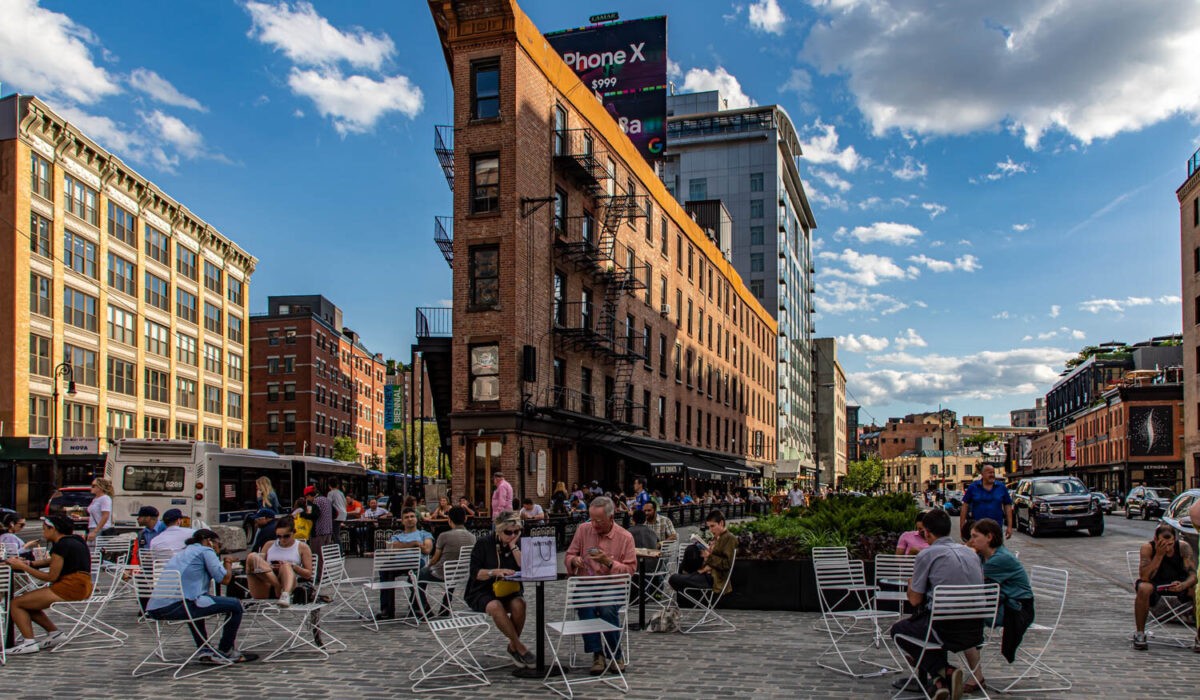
<point>62,370</point>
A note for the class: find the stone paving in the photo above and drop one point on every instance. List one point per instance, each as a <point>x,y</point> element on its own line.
<point>770,655</point>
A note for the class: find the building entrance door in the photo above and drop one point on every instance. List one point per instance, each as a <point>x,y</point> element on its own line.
<point>484,459</point>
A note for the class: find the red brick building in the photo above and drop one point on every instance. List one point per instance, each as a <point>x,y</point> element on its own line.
<point>597,332</point>
<point>1132,436</point>
<point>312,380</point>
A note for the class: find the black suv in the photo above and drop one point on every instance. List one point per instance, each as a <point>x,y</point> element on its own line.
<point>1148,501</point>
<point>1045,503</point>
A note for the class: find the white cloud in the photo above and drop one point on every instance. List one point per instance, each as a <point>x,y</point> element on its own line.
<point>1091,68</point>
<point>307,38</point>
<point>966,263</point>
<point>837,297</point>
<point>1169,299</point>
<point>1055,309</point>
<point>160,140</point>
<point>673,70</point>
<point>963,241</point>
<point>832,200</point>
<point>865,269</point>
<point>861,343</point>
<point>869,203</point>
<point>822,147</point>
<point>356,103</point>
<point>1007,168</point>
<point>174,132</point>
<point>702,80</point>
<point>47,53</point>
<point>909,339</point>
<point>886,232</point>
<point>1078,334</point>
<point>910,169</point>
<point>933,208</point>
<point>1119,305</point>
<point>830,178</point>
<point>766,16</point>
<point>1003,315</point>
<point>160,89</point>
<point>1020,227</point>
<point>799,81</point>
<point>937,378</point>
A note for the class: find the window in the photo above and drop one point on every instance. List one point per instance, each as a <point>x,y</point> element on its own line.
<point>272,365</point>
<point>185,431</point>
<point>156,245</point>
<point>272,393</point>
<point>235,328</point>
<point>691,260</point>
<point>560,308</point>
<point>212,399</point>
<point>122,225</point>
<point>122,325</point>
<point>485,89</point>
<point>158,292</point>
<point>185,349</point>
<point>39,355</point>
<point>587,403</point>
<point>185,261</point>
<point>234,439</point>
<point>756,288</point>
<point>212,358</point>
<point>39,415</point>
<point>121,377</point>
<point>756,262</point>
<point>122,275</point>
<point>79,254</point>
<point>289,366</point>
<point>185,392</point>
<point>237,292</point>
<point>485,183</point>
<point>212,277</point>
<point>649,222</point>
<point>678,366</point>
<point>646,345</point>
<point>697,189</point>
<point>80,200</point>
<point>154,428</point>
<point>289,422</point>
<point>41,179</point>
<point>756,209</point>
<point>185,305</point>
<point>156,387</point>
<point>80,309</point>
<point>689,317</point>
<point>756,182</point>
<point>39,235</point>
<point>83,364</point>
<point>41,295</point>
<point>212,318</point>
<point>485,373</point>
<point>235,405</point>
<point>235,366</point>
<point>157,339</point>
<point>79,420</point>
<point>756,235</point>
<point>560,130</point>
<point>212,434</point>
<point>289,391</point>
<point>485,277</point>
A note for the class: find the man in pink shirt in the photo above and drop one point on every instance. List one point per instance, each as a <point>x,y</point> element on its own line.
<point>502,497</point>
<point>601,547</point>
<point>913,541</point>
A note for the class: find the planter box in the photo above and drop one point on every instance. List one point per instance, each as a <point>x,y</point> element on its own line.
<point>760,584</point>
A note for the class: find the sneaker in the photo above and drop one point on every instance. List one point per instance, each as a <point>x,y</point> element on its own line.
<point>908,685</point>
<point>956,684</point>
<point>1139,641</point>
<point>529,659</point>
<point>597,664</point>
<point>941,694</point>
<point>519,658</point>
<point>285,600</point>
<point>28,646</point>
<point>233,656</point>
<point>54,639</point>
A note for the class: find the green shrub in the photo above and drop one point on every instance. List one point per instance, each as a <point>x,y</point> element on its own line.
<point>863,523</point>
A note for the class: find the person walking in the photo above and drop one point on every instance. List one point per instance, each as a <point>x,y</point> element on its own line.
<point>338,500</point>
<point>502,496</point>
<point>988,498</point>
<point>319,511</point>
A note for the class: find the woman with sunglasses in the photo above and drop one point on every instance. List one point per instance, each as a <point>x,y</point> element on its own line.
<point>494,557</point>
<point>10,527</point>
<point>68,571</point>
<point>282,562</point>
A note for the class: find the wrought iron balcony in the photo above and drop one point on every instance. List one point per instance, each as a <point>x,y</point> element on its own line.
<point>443,236</point>
<point>435,322</point>
<point>578,154</point>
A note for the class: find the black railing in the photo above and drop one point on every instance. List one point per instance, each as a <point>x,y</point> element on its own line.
<point>562,398</point>
<point>443,146</point>
<point>578,152</point>
<point>435,322</point>
<point>443,236</point>
<point>1194,163</point>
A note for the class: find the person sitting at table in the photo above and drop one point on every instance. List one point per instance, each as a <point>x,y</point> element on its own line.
<point>198,568</point>
<point>495,556</point>
<point>466,506</point>
<point>601,547</point>
<point>662,526</point>
<point>354,508</point>
<point>1016,613</point>
<point>913,541</point>
<point>558,499</point>
<point>374,512</point>
<point>620,503</point>
<point>409,538</point>
<point>69,575</point>
<point>442,512</point>
<point>531,510</point>
<point>174,536</point>
<point>276,568</point>
<point>576,492</point>
<point>303,525</point>
<point>577,505</point>
<point>10,527</point>
<point>447,548</point>
<point>643,536</point>
<point>717,558</point>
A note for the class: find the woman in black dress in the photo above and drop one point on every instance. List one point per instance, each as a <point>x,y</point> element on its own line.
<point>494,557</point>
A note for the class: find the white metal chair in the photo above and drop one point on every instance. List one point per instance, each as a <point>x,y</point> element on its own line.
<point>1050,598</point>
<point>6,582</point>
<point>951,604</point>
<point>151,583</point>
<point>658,590</point>
<point>389,569</point>
<point>304,638</point>
<point>588,592</point>
<point>1157,631</point>
<point>339,587</point>
<point>84,615</point>
<point>892,574</point>
<point>454,636</point>
<point>703,617</point>
<point>841,584</point>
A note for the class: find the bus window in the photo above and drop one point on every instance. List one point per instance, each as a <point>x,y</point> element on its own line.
<point>239,490</point>
<point>152,478</point>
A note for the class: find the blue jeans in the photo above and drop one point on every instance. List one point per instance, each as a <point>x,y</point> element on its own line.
<point>591,642</point>
<point>220,605</point>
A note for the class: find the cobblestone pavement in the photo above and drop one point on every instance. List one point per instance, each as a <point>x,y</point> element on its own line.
<point>770,655</point>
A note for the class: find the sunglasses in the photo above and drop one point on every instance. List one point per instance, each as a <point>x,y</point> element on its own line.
<point>511,532</point>
<point>284,535</point>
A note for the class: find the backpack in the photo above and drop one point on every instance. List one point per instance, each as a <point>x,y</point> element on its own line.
<point>666,620</point>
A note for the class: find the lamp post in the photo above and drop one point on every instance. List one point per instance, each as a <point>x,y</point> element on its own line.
<point>62,370</point>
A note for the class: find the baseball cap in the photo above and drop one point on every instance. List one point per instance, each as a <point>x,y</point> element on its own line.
<point>147,512</point>
<point>172,515</point>
<point>309,490</point>
<point>264,513</point>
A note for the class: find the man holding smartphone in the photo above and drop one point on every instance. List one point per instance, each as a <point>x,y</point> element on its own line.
<point>1168,566</point>
<point>601,547</point>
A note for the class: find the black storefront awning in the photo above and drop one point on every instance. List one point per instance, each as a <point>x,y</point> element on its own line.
<point>659,464</point>
<point>664,461</point>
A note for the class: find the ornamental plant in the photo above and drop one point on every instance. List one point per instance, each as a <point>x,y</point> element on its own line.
<point>867,525</point>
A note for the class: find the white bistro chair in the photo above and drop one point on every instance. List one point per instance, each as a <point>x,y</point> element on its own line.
<point>703,617</point>
<point>389,572</point>
<point>950,604</point>
<point>6,581</point>
<point>847,600</point>
<point>159,583</point>
<point>1050,598</point>
<point>588,592</point>
<point>1157,631</point>
<point>892,574</point>
<point>339,587</point>
<point>88,631</point>
<point>453,665</point>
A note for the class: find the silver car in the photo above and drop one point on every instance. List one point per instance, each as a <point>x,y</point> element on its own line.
<point>1176,515</point>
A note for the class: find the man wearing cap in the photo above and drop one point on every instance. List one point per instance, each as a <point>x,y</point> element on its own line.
<point>147,517</point>
<point>264,522</point>
<point>320,511</point>
<point>173,538</point>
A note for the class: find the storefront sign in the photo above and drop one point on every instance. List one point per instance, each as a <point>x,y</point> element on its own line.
<point>541,473</point>
<point>80,446</point>
<point>667,469</point>
<point>39,443</point>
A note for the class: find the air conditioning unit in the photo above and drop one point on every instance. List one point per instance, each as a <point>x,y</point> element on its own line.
<point>665,310</point>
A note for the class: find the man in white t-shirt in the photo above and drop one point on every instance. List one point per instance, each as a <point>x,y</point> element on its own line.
<point>338,499</point>
<point>796,496</point>
<point>531,510</point>
<point>173,537</point>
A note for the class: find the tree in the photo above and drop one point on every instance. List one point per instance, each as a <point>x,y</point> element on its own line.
<point>980,439</point>
<point>865,475</point>
<point>344,449</point>
<point>398,438</point>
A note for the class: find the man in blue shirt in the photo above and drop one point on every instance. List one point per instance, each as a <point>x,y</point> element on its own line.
<point>640,496</point>
<point>147,517</point>
<point>988,498</point>
<point>410,537</point>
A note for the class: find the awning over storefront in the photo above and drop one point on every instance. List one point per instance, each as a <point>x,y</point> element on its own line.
<point>660,464</point>
<point>667,462</point>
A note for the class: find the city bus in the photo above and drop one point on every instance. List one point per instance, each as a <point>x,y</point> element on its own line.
<point>212,484</point>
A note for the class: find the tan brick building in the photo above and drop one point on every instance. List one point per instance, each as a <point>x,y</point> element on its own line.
<point>101,271</point>
<point>597,332</point>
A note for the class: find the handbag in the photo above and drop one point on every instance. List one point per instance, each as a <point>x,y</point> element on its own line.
<point>502,588</point>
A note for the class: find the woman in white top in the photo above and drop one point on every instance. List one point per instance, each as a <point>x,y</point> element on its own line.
<point>9,527</point>
<point>282,562</point>
<point>100,509</point>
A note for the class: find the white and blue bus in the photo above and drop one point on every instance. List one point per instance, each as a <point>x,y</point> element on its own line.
<point>213,484</point>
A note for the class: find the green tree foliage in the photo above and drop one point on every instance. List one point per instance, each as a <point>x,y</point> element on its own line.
<point>865,475</point>
<point>344,449</point>
<point>980,439</point>
<point>396,440</point>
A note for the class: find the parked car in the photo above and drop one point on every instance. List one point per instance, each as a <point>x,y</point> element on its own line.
<point>1148,501</point>
<point>71,501</point>
<point>1106,505</point>
<point>1176,515</point>
<point>952,506</point>
<point>1048,503</point>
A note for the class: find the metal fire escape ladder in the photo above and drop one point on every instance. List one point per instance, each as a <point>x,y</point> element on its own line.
<point>443,147</point>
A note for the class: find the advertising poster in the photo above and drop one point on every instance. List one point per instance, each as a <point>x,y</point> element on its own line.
<point>1150,431</point>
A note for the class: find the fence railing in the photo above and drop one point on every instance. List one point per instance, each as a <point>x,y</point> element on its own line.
<point>435,322</point>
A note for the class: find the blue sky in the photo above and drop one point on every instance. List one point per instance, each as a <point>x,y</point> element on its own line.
<point>993,183</point>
